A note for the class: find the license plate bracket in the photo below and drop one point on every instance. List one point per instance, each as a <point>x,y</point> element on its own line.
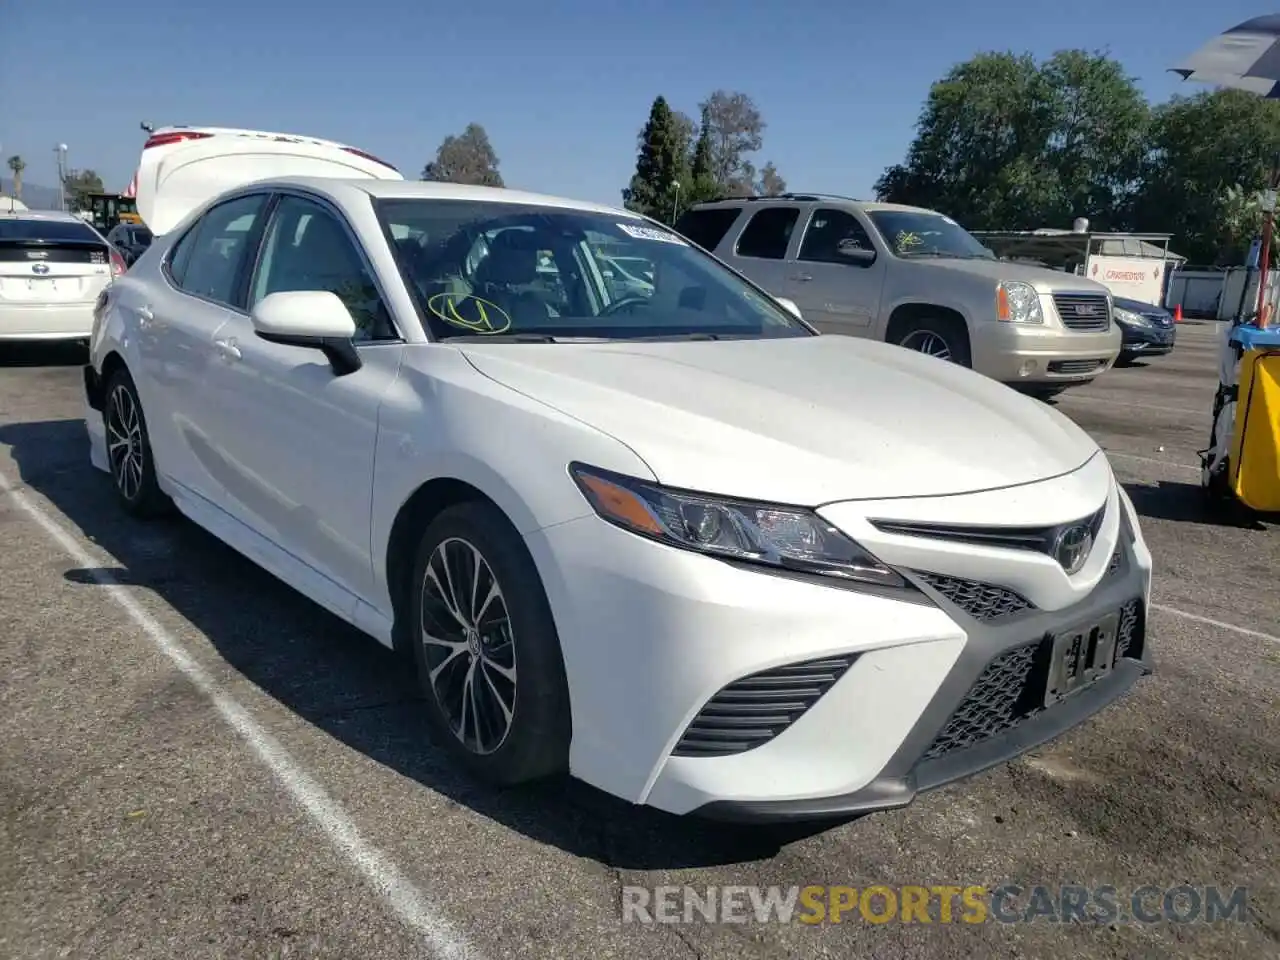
<point>1080,656</point>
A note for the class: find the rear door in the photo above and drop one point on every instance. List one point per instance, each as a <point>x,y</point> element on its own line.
<point>51,272</point>
<point>177,317</point>
<point>759,249</point>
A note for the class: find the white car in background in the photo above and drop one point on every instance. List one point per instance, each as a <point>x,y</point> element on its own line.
<point>53,268</point>
<point>674,543</point>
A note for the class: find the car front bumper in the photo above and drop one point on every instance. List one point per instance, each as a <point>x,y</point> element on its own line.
<point>1147,341</point>
<point>71,321</point>
<point>1042,353</point>
<point>895,696</point>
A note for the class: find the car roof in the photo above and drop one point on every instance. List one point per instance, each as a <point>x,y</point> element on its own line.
<point>55,215</point>
<point>867,205</point>
<point>434,190</point>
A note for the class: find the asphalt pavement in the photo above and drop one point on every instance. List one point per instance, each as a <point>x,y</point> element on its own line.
<point>197,762</point>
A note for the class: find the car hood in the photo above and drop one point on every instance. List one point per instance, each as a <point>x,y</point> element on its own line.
<point>1042,278</point>
<point>807,421</point>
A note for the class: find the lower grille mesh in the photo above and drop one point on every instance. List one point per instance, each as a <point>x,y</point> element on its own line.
<point>755,709</point>
<point>982,601</point>
<point>1011,689</point>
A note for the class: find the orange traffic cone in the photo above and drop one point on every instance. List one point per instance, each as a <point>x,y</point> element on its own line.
<point>1177,314</point>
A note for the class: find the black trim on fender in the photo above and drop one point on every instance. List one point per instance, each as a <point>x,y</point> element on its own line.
<point>92,387</point>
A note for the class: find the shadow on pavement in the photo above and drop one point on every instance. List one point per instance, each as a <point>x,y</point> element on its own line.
<point>342,681</point>
<point>1186,503</point>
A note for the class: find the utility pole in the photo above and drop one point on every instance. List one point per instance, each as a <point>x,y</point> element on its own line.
<point>60,151</point>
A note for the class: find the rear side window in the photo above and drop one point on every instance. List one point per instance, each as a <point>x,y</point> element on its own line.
<point>47,231</point>
<point>768,233</point>
<point>206,262</point>
<point>706,228</point>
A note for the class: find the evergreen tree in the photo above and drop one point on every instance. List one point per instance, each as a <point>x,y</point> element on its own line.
<point>658,165</point>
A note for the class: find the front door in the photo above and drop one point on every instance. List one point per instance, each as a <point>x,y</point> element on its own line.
<point>299,440</point>
<point>834,293</point>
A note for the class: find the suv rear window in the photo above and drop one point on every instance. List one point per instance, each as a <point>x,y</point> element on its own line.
<point>706,228</point>
<point>46,231</point>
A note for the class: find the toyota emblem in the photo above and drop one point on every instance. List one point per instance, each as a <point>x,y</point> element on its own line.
<point>40,268</point>
<point>1072,546</point>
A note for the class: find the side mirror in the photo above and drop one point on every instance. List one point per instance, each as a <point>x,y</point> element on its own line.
<point>314,319</point>
<point>789,306</point>
<point>850,251</point>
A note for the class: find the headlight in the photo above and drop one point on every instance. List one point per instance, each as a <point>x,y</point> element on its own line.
<point>787,538</point>
<point>1129,318</point>
<point>1018,302</point>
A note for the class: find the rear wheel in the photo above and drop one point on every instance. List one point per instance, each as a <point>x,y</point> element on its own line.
<point>937,338</point>
<point>133,471</point>
<point>487,650</point>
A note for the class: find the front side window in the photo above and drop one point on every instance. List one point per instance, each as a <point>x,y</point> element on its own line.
<point>828,232</point>
<point>208,258</point>
<point>307,248</point>
<point>486,269</point>
<point>921,233</point>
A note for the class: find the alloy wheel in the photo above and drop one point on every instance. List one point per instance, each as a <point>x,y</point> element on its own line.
<point>469,645</point>
<point>926,341</point>
<point>125,451</point>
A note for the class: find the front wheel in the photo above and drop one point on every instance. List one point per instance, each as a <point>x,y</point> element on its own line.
<point>487,651</point>
<point>129,456</point>
<point>937,338</point>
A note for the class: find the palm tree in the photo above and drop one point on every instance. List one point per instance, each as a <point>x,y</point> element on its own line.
<point>17,165</point>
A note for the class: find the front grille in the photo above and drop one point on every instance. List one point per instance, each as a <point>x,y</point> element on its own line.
<point>982,601</point>
<point>755,709</point>
<point>1040,539</point>
<point>1083,311</point>
<point>1074,366</point>
<point>1010,690</point>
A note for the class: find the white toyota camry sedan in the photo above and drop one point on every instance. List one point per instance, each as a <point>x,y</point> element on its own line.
<point>664,538</point>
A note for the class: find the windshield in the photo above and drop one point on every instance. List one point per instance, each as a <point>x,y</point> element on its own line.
<point>918,233</point>
<point>482,269</point>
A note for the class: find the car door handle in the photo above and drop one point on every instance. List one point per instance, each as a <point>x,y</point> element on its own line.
<point>228,349</point>
<point>803,276</point>
<point>145,317</point>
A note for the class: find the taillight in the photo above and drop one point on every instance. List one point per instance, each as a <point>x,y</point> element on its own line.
<point>370,156</point>
<point>177,136</point>
<point>118,266</point>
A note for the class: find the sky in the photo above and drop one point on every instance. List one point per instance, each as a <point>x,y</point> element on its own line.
<point>562,86</point>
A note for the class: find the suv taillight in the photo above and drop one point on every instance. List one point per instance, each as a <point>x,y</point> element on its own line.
<point>176,136</point>
<point>118,266</point>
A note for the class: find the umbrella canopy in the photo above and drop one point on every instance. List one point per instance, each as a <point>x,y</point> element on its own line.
<point>1246,57</point>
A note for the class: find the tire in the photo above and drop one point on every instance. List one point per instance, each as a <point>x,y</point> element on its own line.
<point>535,741</point>
<point>1044,393</point>
<point>133,471</point>
<point>936,337</point>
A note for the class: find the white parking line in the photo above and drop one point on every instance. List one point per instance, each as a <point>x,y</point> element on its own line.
<point>1163,463</point>
<point>405,899</point>
<point>1220,624</point>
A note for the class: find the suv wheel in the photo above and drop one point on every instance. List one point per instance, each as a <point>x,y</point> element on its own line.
<point>937,338</point>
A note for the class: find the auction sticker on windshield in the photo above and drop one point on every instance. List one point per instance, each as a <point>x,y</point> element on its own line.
<point>649,233</point>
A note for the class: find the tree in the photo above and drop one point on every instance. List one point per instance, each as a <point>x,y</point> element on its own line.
<point>78,185</point>
<point>1003,142</point>
<point>1203,147</point>
<point>770,183</point>
<point>736,130</point>
<point>17,165</point>
<point>466,158</point>
<point>702,185</point>
<point>660,162</point>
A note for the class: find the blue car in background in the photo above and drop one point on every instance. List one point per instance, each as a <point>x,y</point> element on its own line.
<point>1146,330</point>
